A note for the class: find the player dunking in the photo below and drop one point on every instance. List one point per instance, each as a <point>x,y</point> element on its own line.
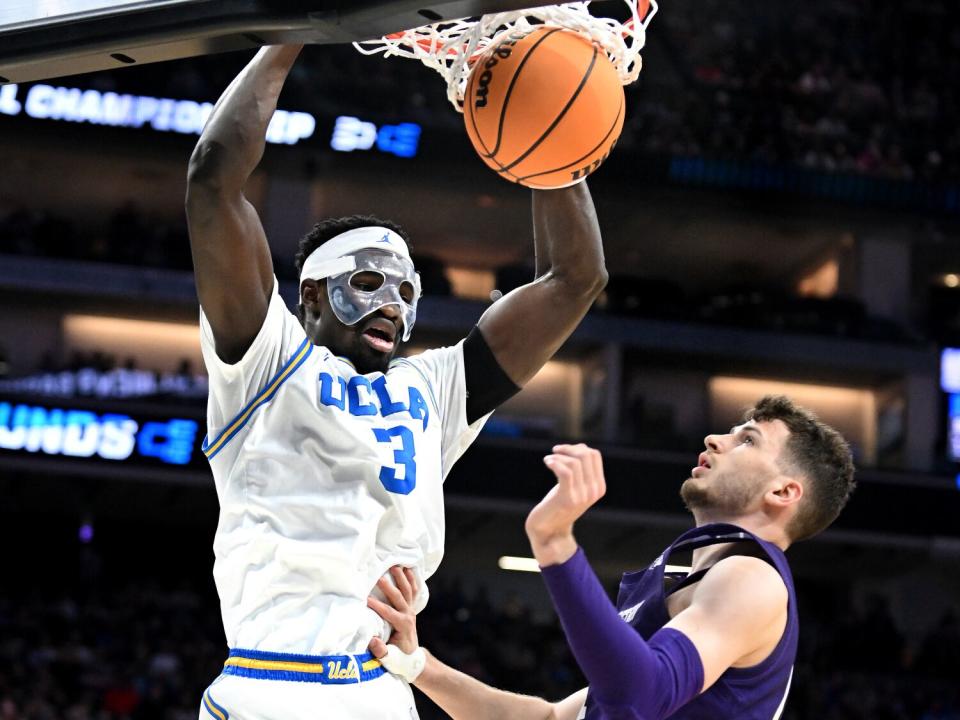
<point>717,644</point>
<point>328,454</point>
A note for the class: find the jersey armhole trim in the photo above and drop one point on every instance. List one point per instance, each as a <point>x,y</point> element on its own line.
<point>262,398</point>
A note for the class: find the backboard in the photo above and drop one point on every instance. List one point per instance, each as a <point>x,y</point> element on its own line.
<point>42,39</point>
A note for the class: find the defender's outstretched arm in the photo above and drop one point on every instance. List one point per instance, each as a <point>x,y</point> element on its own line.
<point>231,257</point>
<point>465,698</point>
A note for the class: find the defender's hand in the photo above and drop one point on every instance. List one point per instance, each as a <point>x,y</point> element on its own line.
<point>399,612</point>
<point>580,483</point>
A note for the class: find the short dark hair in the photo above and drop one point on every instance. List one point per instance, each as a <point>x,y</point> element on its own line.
<point>329,229</point>
<point>820,454</point>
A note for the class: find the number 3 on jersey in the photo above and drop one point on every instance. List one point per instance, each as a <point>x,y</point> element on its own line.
<point>403,456</point>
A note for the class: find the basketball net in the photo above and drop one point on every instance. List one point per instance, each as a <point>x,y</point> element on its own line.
<point>452,47</point>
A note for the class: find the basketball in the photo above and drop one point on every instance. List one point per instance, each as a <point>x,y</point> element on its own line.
<point>544,107</point>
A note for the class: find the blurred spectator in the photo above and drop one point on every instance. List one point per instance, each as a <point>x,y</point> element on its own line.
<point>127,238</point>
<point>940,652</point>
<point>854,86</point>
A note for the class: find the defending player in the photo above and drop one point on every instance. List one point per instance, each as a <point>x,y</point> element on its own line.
<point>717,644</point>
<point>329,455</point>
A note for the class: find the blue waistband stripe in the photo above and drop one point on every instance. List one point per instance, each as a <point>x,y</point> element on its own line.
<point>328,669</point>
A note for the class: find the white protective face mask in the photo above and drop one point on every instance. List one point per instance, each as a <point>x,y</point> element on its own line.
<point>370,249</point>
<point>384,275</point>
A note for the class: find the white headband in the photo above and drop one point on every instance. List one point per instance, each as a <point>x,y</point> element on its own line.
<point>335,256</point>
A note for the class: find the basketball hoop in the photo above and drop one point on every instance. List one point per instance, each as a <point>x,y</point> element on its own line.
<point>451,47</point>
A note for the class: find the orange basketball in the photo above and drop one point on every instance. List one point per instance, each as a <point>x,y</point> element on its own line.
<point>544,107</point>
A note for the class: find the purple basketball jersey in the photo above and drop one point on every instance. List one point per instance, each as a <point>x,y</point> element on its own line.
<point>754,693</point>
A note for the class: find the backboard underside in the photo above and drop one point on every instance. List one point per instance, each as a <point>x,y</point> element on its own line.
<point>42,39</point>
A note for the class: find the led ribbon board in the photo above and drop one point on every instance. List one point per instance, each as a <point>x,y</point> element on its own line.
<point>183,117</point>
<point>350,133</point>
<point>118,383</point>
<point>89,434</point>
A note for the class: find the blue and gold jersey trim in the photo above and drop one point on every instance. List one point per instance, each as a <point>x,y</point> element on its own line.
<point>215,710</point>
<point>210,449</point>
<point>328,669</point>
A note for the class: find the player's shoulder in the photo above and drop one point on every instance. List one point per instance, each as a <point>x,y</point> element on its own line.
<point>282,324</point>
<point>750,583</point>
<point>735,568</point>
<point>439,371</point>
<point>431,358</point>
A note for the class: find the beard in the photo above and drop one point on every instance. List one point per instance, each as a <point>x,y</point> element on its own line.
<point>367,360</point>
<point>349,344</point>
<point>720,496</point>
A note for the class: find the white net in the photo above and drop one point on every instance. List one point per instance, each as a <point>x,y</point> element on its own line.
<point>451,47</point>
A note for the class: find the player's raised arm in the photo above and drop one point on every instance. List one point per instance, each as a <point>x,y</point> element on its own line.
<point>527,326</point>
<point>736,616</point>
<point>231,257</point>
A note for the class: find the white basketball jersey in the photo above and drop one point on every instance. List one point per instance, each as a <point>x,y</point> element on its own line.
<point>326,478</point>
